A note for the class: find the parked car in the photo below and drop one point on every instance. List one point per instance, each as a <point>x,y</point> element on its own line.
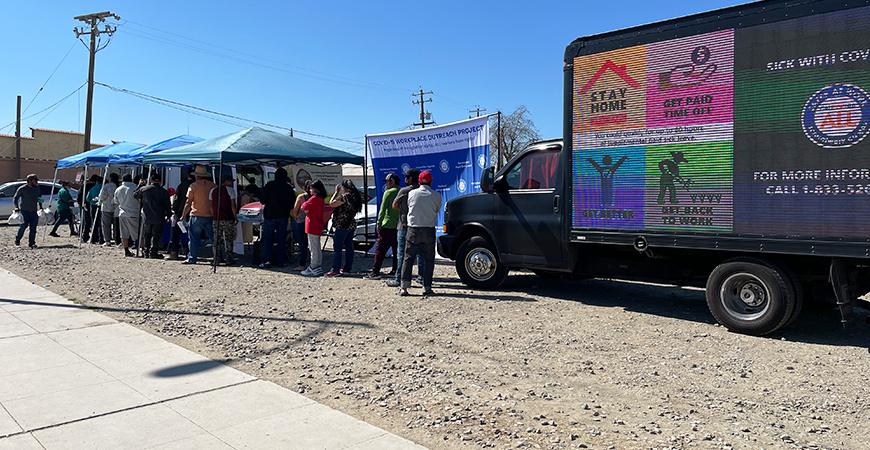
<point>7,192</point>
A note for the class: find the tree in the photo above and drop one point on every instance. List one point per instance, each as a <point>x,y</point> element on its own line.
<point>517,132</point>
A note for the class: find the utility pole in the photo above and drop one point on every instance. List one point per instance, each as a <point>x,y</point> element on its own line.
<point>93,21</point>
<point>423,114</point>
<point>18,141</point>
<point>478,111</point>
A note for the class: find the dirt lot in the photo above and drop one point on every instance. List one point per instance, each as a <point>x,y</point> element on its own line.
<point>536,364</point>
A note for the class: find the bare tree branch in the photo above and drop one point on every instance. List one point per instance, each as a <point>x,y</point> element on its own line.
<point>517,132</point>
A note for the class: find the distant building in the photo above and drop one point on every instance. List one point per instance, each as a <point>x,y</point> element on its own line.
<point>40,152</point>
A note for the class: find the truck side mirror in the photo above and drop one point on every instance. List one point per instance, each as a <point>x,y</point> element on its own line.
<point>486,180</point>
<point>500,184</point>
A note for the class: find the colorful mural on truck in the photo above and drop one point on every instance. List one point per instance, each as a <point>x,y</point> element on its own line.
<point>758,130</point>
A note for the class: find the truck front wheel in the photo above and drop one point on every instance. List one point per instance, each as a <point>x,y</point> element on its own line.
<point>478,265</point>
<point>751,296</point>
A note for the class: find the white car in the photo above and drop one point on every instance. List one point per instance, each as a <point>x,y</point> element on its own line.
<point>7,192</point>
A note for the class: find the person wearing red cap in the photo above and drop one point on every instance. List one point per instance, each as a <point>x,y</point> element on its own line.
<point>424,203</point>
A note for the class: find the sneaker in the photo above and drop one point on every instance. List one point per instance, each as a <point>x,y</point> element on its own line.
<point>428,291</point>
<point>187,261</point>
<point>333,273</point>
<point>73,233</point>
<point>419,280</point>
<point>393,283</point>
<point>307,272</point>
<point>32,245</point>
<point>265,265</point>
<point>53,234</point>
<point>120,246</point>
<point>372,276</point>
<point>107,244</point>
<point>316,272</point>
<point>403,292</point>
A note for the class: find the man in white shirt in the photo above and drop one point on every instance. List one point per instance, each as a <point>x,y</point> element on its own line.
<point>128,212</point>
<point>424,204</point>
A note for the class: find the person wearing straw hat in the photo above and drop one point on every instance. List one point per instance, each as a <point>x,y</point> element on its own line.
<point>198,209</point>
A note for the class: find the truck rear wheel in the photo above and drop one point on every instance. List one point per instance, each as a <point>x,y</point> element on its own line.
<point>751,296</point>
<point>478,265</point>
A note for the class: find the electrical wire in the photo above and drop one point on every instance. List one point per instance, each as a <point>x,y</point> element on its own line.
<point>193,109</point>
<point>49,79</point>
<point>55,105</point>
<point>252,59</point>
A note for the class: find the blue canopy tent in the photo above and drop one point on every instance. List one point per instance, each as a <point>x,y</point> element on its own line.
<point>98,157</point>
<point>134,157</point>
<point>252,146</point>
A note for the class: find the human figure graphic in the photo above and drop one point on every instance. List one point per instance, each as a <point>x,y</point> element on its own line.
<point>670,173</point>
<point>607,170</point>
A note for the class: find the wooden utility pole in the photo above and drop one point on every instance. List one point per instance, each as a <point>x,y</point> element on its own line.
<point>18,141</point>
<point>423,114</point>
<point>478,111</point>
<point>93,21</point>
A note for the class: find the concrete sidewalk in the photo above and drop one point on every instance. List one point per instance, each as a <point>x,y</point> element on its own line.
<point>71,378</point>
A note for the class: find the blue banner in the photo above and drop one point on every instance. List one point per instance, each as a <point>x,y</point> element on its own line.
<point>455,154</point>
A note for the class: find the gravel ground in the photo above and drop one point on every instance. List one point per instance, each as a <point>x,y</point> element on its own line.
<point>536,364</point>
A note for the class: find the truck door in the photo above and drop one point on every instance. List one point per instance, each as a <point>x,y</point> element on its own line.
<point>527,211</point>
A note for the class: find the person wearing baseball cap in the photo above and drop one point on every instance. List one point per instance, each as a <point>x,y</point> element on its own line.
<point>27,200</point>
<point>388,221</point>
<point>424,204</point>
<point>412,181</point>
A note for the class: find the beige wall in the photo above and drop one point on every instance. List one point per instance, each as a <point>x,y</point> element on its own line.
<point>40,152</point>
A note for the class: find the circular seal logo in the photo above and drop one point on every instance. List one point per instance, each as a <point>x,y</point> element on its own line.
<point>301,177</point>
<point>837,116</point>
<point>445,166</point>
<point>461,185</point>
<point>405,168</point>
<point>481,161</point>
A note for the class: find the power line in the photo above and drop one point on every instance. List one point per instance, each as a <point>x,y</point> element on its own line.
<point>424,116</point>
<point>301,71</point>
<point>172,103</point>
<point>39,91</point>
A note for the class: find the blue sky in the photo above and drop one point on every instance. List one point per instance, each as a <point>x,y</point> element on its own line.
<point>339,69</point>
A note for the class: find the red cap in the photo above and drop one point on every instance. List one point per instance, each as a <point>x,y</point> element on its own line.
<point>425,177</point>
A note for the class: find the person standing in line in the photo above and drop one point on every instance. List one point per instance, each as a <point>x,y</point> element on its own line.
<point>198,209</point>
<point>276,197</point>
<point>313,208</point>
<point>107,208</point>
<point>177,212</point>
<point>27,201</point>
<point>298,224</point>
<point>346,203</point>
<point>401,203</point>
<point>388,221</point>
<point>156,209</point>
<point>92,198</point>
<point>225,219</point>
<point>424,204</point>
<point>85,226</point>
<point>128,213</point>
<point>64,210</point>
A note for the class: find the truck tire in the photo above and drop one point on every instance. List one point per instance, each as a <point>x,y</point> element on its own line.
<point>478,265</point>
<point>752,296</point>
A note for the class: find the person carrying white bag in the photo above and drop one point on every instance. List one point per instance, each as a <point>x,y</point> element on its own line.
<point>27,201</point>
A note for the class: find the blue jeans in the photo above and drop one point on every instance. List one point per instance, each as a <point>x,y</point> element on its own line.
<point>64,216</point>
<point>275,231</point>
<point>302,240</point>
<point>400,238</point>
<point>31,219</point>
<point>197,225</point>
<point>342,240</point>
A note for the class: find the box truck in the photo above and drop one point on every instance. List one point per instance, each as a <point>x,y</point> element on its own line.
<point>726,150</point>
